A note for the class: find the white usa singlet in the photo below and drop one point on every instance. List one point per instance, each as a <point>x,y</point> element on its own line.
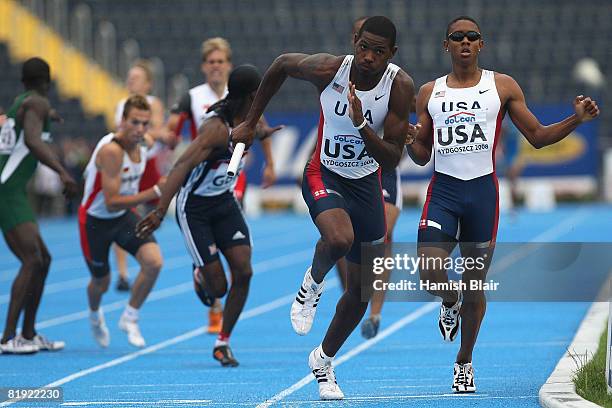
<point>466,126</point>
<point>131,172</point>
<point>342,148</point>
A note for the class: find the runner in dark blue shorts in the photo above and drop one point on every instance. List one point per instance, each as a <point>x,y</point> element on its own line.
<point>460,116</point>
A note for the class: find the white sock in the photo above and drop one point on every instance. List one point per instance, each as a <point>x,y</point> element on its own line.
<point>311,277</point>
<point>322,356</point>
<point>220,343</point>
<point>95,315</point>
<point>130,312</point>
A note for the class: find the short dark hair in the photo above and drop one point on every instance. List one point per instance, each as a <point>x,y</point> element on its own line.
<point>135,102</point>
<point>454,20</point>
<point>380,25</point>
<point>35,71</point>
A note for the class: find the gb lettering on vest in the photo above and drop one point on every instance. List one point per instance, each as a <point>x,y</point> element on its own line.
<point>461,131</point>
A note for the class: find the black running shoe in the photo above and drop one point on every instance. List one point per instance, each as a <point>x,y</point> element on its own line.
<point>224,355</point>
<point>123,285</point>
<point>198,285</point>
<point>369,327</point>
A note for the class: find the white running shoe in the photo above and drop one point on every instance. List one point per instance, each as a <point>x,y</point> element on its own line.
<point>304,306</point>
<point>448,322</point>
<point>132,330</point>
<point>100,331</point>
<point>463,378</point>
<point>45,344</point>
<point>18,345</point>
<point>325,376</point>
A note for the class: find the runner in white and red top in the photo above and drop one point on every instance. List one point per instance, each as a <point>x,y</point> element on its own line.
<point>460,114</point>
<point>106,216</point>
<point>139,81</point>
<point>359,95</point>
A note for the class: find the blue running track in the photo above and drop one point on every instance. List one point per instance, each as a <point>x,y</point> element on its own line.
<point>406,365</point>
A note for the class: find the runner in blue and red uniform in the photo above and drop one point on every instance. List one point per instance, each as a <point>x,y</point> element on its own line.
<point>460,116</point>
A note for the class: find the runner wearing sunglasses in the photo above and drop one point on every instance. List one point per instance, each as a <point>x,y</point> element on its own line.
<point>460,116</point>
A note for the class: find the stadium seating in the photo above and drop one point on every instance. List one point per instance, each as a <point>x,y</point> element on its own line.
<point>76,123</point>
<point>538,43</point>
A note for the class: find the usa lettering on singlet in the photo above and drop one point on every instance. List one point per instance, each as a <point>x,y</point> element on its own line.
<point>202,98</point>
<point>342,149</point>
<point>131,172</point>
<point>209,178</point>
<point>466,126</point>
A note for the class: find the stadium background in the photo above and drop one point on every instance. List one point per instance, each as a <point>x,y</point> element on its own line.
<point>91,44</point>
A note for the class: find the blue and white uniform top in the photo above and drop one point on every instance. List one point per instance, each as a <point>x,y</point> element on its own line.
<point>209,178</point>
<point>466,127</point>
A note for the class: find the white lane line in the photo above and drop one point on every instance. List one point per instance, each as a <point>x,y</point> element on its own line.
<point>543,238</point>
<point>548,235</point>
<point>421,311</point>
<point>254,312</point>
<point>164,403</point>
<point>76,262</point>
<point>259,310</point>
<point>258,268</point>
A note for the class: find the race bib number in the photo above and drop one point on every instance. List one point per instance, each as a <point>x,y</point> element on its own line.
<point>8,137</point>
<point>461,133</point>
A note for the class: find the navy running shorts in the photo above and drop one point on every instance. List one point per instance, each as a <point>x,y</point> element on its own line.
<point>97,235</point>
<point>391,185</point>
<point>460,210</point>
<point>361,198</point>
<point>210,225</point>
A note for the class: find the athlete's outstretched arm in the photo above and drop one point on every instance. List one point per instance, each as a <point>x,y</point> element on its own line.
<point>388,150</point>
<point>420,149</point>
<point>263,133</point>
<point>537,134</point>
<point>213,134</point>
<point>35,111</point>
<point>318,69</point>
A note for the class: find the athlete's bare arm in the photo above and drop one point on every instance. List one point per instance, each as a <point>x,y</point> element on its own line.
<point>213,134</point>
<point>110,162</point>
<point>158,130</point>
<point>35,110</point>
<point>318,69</point>
<point>420,150</point>
<point>388,150</point>
<point>538,135</point>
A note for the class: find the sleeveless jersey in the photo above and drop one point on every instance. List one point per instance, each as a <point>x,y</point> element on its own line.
<point>131,172</point>
<point>17,164</point>
<point>466,126</point>
<point>202,98</point>
<point>209,178</point>
<point>342,150</point>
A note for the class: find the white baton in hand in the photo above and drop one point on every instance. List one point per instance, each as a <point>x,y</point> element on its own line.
<point>235,160</point>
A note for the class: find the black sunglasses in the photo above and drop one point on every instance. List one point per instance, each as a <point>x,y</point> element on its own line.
<point>458,36</point>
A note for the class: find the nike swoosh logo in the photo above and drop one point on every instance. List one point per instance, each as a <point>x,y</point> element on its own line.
<point>378,97</point>
<point>481,92</point>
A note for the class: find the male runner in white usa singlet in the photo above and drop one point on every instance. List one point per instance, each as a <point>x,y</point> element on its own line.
<point>342,180</point>
<point>460,116</point>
